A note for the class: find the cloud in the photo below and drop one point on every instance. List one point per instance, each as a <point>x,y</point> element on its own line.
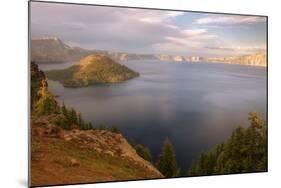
<point>160,17</point>
<point>106,28</point>
<point>194,32</point>
<point>203,43</point>
<point>229,20</point>
<point>236,50</point>
<point>190,41</point>
<point>191,36</point>
<point>136,30</point>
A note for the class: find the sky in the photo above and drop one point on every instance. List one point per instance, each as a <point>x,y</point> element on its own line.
<point>149,31</point>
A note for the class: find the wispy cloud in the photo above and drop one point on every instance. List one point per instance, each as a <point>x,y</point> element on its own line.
<point>188,36</point>
<point>194,32</point>
<point>234,50</point>
<point>186,41</point>
<point>202,42</point>
<point>159,17</point>
<point>146,31</point>
<point>229,20</point>
<point>239,48</point>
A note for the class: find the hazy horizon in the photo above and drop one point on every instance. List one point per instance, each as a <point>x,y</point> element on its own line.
<point>149,31</point>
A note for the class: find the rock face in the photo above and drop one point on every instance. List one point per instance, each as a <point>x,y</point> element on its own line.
<point>37,80</point>
<point>141,57</point>
<point>83,156</point>
<point>259,59</point>
<point>91,70</point>
<point>101,141</point>
<point>53,50</point>
<point>108,143</point>
<point>178,58</point>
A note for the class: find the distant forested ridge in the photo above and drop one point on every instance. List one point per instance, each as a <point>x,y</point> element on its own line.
<point>245,151</point>
<point>91,70</point>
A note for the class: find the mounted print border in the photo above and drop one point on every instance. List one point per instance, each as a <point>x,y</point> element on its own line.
<point>130,93</point>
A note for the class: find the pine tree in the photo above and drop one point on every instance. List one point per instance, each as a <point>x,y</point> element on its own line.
<point>102,127</point>
<point>167,163</point>
<point>46,105</point>
<point>144,152</point>
<point>63,122</point>
<point>80,121</point>
<point>244,151</point>
<point>64,110</point>
<point>73,116</point>
<point>90,125</point>
<point>114,129</point>
<point>87,126</point>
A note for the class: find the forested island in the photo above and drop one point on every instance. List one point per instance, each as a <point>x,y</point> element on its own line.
<point>91,70</point>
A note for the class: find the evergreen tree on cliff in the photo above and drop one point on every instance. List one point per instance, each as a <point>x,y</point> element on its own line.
<point>43,103</point>
<point>167,163</point>
<point>144,152</point>
<point>244,151</point>
<point>46,104</point>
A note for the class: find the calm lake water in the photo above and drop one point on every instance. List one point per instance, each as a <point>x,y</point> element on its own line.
<point>196,105</point>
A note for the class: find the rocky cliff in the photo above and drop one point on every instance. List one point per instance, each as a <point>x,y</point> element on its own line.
<point>53,50</point>
<point>178,58</point>
<point>67,154</point>
<point>37,79</point>
<point>81,156</point>
<point>259,59</point>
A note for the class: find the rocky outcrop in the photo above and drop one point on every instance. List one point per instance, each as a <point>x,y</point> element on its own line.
<point>83,156</point>
<point>108,143</point>
<point>101,141</point>
<point>178,58</point>
<point>38,80</point>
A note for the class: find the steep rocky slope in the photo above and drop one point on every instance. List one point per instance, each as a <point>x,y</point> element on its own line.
<point>73,155</point>
<point>78,156</point>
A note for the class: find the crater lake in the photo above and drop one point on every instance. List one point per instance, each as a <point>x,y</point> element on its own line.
<point>196,105</point>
